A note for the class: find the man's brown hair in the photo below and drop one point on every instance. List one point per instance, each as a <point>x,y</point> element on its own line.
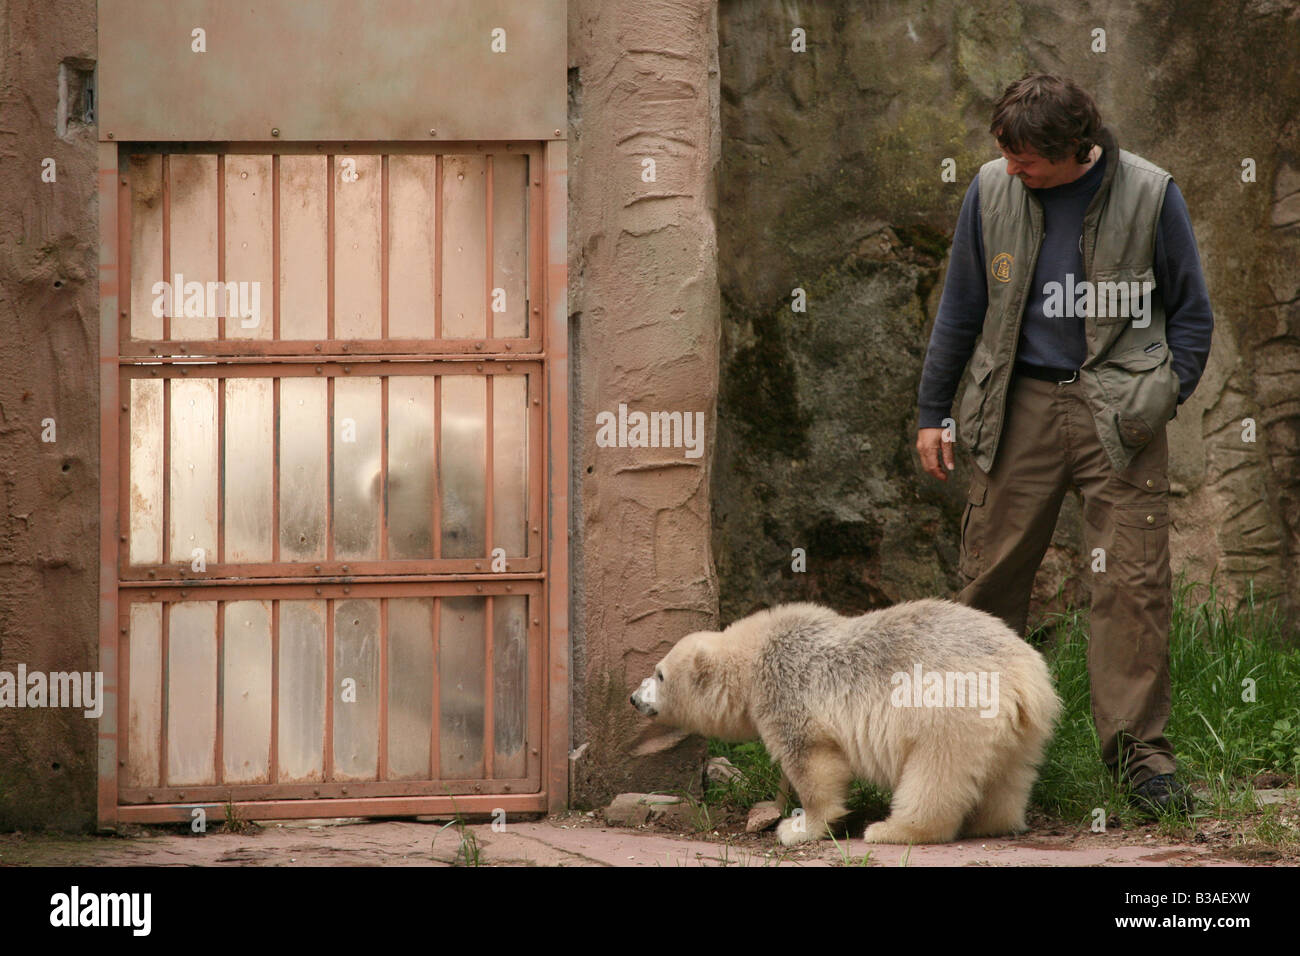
<point>1049,114</point>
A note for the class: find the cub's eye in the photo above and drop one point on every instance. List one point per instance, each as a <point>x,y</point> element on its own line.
<point>659,675</point>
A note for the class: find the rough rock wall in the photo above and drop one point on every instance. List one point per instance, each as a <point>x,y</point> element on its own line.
<point>49,348</point>
<point>644,319</point>
<point>831,183</point>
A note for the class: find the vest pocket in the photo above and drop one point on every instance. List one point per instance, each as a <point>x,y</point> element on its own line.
<point>1123,295</point>
<point>972,527</point>
<point>970,414</point>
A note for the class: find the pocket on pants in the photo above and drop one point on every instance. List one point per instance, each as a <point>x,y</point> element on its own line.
<point>1142,542</point>
<point>973,521</point>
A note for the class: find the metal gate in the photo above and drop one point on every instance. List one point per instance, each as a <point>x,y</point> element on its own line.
<point>333,410</point>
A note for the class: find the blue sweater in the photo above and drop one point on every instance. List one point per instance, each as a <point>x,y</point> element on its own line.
<point>1059,342</point>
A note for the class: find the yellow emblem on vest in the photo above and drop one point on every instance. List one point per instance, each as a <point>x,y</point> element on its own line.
<point>1002,266</point>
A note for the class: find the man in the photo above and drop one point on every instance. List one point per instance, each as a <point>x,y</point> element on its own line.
<point>1074,266</point>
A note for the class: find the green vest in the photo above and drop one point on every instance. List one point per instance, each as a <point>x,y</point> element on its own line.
<point>1127,377</point>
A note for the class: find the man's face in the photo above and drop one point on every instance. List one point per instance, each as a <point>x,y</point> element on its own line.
<point>1037,172</point>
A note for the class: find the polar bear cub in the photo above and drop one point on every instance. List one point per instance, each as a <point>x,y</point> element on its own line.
<point>942,704</point>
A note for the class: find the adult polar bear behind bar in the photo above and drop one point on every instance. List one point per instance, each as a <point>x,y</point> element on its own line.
<point>834,698</point>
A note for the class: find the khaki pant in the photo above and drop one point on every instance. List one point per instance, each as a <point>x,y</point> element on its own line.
<point>1049,443</point>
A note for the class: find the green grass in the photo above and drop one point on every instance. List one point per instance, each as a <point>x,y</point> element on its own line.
<point>1220,740</point>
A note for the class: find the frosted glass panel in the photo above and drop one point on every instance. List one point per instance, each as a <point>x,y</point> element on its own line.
<point>509,245</point>
<point>461,679</point>
<point>304,254</point>
<point>510,463</point>
<point>192,693</point>
<point>463,466</point>
<point>357,274</point>
<point>146,514</point>
<point>246,698</point>
<point>412,221</point>
<point>358,471</point>
<point>146,245</point>
<point>411,493</point>
<point>248,245</point>
<point>464,246</point>
<point>302,691</point>
<point>250,429</point>
<point>193,244</point>
<point>304,432</point>
<point>356,690</point>
<point>410,687</point>
<point>193,512</point>
<point>144,716</point>
<point>509,685</point>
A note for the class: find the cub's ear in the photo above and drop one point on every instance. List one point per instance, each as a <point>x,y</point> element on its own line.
<point>702,670</point>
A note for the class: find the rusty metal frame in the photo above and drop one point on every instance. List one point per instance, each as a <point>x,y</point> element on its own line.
<point>545,355</point>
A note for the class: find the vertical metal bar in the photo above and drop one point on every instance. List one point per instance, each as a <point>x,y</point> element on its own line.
<point>114,298</point>
<point>383,247</point>
<point>435,724</point>
<point>275,246</point>
<point>166,470</point>
<point>489,455</point>
<point>329,690</point>
<point>437,466</point>
<point>123,702</point>
<point>167,254</point>
<point>488,215</point>
<point>489,672</point>
<point>329,469</point>
<point>556,343</point>
<point>273,773</point>
<point>275,409</point>
<point>221,246</point>
<point>383,688</point>
<point>329,245</point>
<point>437,247</point>
<point>166,691</point>
<point>220,556</point>
<point>218,763</point>
<point>383,468</point>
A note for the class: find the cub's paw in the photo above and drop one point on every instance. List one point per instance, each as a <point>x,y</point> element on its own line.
<point>794,830</point>
<point>886,832</point>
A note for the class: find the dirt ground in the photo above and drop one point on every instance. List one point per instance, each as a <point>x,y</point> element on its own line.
<point>583,839</point>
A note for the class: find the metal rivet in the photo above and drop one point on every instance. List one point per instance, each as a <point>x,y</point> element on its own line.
<point>124,183</point>
<point>316,567</point>
<point>318,347</point>
<point>124,630</point>
<point>346,569</point>
<point>110,136</point>
<point>347,370</point>
<point>507,366</point>
<point>508,346</point>
<point>181,795</point>
<point>316,793</point>
<point>478,587</point>
<point>317,369</point>
<point>185,593</point>
<point>557,132</point>
<point>433,132</point>
<point>1151,519</point>
<point>153,574</point>
<point>345,791</point>
<point>275,131</point>
<point>318,590</point>
<point>1150,483</point>
<point>478,345</point>
<point>347,590</point>
<point>477,566</point>
<point>537,401</point>
<point>125,409</point>
<point>509,587</point>
<point>536,310</point>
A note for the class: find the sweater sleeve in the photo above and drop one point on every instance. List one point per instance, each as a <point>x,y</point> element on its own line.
<point>1189,322</point>
<point>960,318</point>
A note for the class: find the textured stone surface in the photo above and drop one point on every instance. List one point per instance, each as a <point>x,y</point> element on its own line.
<point>644,318</point>
<point>831,183</point>
<point>49,351</point>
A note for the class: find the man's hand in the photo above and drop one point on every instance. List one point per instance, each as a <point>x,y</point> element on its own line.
<point>935,452</point>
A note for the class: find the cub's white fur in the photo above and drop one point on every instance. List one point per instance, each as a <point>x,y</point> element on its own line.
<point>823,693</point>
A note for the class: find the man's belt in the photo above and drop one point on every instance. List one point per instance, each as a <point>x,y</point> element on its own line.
<point>1061,376</point>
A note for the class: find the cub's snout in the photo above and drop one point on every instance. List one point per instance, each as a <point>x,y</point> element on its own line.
<point>645,697</point>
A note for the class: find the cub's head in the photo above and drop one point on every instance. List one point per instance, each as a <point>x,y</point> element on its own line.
<point>698,686</point>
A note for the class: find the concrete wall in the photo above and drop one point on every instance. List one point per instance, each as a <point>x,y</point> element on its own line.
<point>49,350</point>
<point>644,307</point>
